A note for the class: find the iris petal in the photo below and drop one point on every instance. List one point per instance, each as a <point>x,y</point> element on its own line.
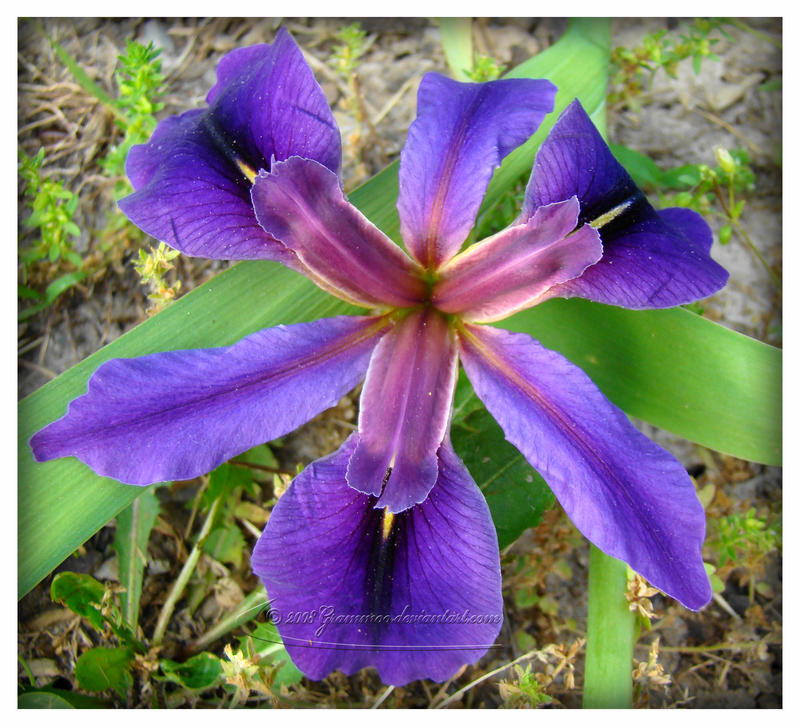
<point>405,408</point>
<point>513,269</point>
<point>626,494</point>
<point>461,134</point>
<point>177,415</point>
<point>301,203</point>
<point>650,259</point>
<point>192,179</point>
<point>352,591</point>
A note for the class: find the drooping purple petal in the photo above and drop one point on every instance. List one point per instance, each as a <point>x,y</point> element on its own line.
<point>177,415</point>
<point>513,269</point>
<point>416,594</point>
<point>405,409</point>
<point>301,203</point>
<point>650,259</point>
<point>192,179</point>
<point>628,496</point>
<point>461,134</point>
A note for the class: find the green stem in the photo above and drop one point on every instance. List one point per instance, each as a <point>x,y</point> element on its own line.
<point>247,609</point>
<point>456,34</point>
<point>183,578</point>
<point>746,237</point>
<point>608,681</point>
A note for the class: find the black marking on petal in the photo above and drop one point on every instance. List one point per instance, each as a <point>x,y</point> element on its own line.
<point>623,207</point>
<point>229,148</point>
<point>380,569</point>
<point>385,480</point>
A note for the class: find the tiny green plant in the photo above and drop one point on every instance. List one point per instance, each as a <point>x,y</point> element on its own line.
<point>485,68</point>
<point>722,191</point>
<point>743,540</point>
<point>52,207</point>
<point>153,266</point>
<point>260,664</point>
<point>345,60</point>
<point>141,85</point>
<point>99,668</point>
<point>633,69</point>
<point>700,186</point>
<point>523,690</point>
<point>348,52</point>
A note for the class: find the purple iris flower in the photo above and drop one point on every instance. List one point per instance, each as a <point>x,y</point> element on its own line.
<point>384,553</point>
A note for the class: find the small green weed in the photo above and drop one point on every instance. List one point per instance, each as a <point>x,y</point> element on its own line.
<point>141,85</point>
<point>347,54</point>
<point>743,540</point>
<point>523,690</point>
<point>345,60</point>
<point>485,68</point>
<point>153,266</point>
<point>52,210</point>
<point>633,69</point>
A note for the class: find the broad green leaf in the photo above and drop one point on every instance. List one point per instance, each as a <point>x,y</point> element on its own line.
<point>80,593</point>
<point>45,698</point>
<point>42,699</point>
<point>100,669</point>
<point>457,44</point>
<point>198,672</point>
<point>517,495</point>
<point>133,532</point>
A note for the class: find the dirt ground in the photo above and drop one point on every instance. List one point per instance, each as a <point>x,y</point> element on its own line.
<point>727,656</point>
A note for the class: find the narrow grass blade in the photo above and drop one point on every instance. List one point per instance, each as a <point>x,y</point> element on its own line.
<point>457,44</point>
<point>82,78</point>
<point>133,532</point>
